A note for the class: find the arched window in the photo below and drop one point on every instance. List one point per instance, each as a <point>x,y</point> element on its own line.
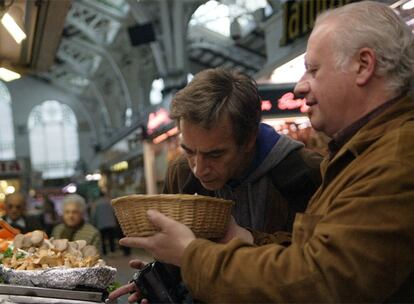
<point>6,125</point>
<point>54,146</point>
<point>218,17</point>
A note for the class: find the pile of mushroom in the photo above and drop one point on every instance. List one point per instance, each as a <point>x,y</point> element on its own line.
<point>33,251</point>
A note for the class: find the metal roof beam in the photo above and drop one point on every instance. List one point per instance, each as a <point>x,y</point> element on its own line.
<point>97,26</point>
<point>100,50</point>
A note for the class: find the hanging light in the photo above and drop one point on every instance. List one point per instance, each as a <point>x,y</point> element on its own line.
<point>10,190</point>
<point>70,188</point>
<point>8,75</point>
<point>408,5</point>
<point>11,26</point>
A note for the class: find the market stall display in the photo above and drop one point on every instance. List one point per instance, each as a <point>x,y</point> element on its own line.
<point>52,268</point>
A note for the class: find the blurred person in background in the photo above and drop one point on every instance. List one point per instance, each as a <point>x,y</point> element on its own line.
<point>50,218</point>
<point>355,241</point>
<point>120,235</point>
<point>103,218</point>
<point>15,206</point>
<point>2,209</point>
<point>74,226</point>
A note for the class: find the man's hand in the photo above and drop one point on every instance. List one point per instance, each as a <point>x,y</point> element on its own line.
<point>236,231</point>
<point>129,288</point>
<point>168,244</point>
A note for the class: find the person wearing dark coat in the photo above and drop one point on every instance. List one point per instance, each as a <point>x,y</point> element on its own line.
<point>15,204</point>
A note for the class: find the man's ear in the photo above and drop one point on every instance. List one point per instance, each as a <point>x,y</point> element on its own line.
<point>366,65</point>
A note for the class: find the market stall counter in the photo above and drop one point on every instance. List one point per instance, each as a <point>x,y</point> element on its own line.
<point>29,294</point>
<point>35,269</point>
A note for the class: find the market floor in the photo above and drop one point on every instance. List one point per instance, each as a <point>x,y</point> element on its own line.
<point>124,272</point>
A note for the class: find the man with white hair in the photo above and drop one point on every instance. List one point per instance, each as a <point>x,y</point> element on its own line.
<point>74,226</point>
<point>355,241</point>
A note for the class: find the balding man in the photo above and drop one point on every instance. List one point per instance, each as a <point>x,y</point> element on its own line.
<point>16,214</point>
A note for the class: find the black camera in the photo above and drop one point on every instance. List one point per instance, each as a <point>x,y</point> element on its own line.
<point>161,283</point>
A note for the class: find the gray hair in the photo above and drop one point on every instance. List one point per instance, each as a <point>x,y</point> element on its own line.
<point>213,93</point>
<point>76,199</point>
<point>376,26</point>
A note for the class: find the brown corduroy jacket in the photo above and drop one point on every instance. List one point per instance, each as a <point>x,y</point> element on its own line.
<point>354,243</point>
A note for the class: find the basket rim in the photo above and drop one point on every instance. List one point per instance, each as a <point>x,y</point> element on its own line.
<point>170,198</point>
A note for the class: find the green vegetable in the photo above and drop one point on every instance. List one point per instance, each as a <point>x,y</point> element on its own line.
<point>113,286</point>
<point>8,253</point>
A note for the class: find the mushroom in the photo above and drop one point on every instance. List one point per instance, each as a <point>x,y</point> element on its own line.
<point>89,251</point>
<point>67,263</point>
<point>100,263</point>
<point>72,246</point>
<point>47,244</point>
<point>73,249</point>
<point>81,244</point>
<point>42,252</point>
<point>32,250</point>
<point>37,237</point>
<point>27,242</point>
<point>18,241</point>
<point>60,244</point>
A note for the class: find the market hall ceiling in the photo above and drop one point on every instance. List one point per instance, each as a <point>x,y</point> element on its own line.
<point>85,48</point>
<point>95,30</point>
<point>88,49</point>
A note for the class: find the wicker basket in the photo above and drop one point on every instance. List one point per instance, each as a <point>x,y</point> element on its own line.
<point>206,216</point>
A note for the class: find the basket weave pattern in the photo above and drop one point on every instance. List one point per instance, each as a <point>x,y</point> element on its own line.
<point>207,217</point>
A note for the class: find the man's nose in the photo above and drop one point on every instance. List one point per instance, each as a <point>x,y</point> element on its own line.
<point>301,88</point>
<point>201,167</point>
